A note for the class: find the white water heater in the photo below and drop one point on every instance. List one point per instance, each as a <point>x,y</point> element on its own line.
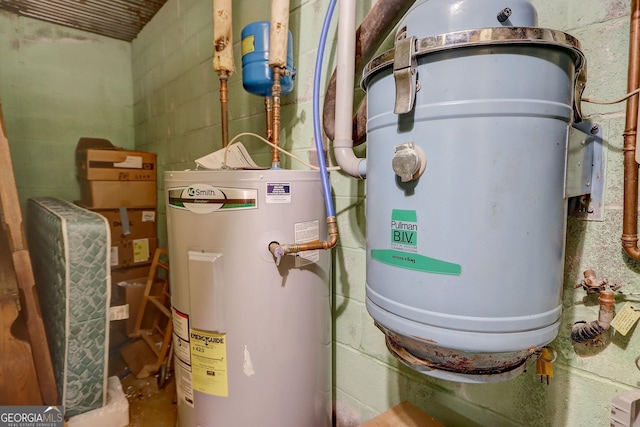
<point>252,338</point>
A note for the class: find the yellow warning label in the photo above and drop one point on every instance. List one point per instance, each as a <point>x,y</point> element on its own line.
<point>209,362</point>
<point>248,44</point>
<point>624,321</point>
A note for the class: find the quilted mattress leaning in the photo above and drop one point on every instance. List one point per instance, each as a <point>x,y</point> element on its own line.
<point>69,248</point>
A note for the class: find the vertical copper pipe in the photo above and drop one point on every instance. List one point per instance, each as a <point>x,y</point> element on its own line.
<point>224,110</point>
<point>268,110</point>
<point>276,91</point>
<point>630,212</point>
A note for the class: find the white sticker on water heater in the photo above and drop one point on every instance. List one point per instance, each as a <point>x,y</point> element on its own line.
<point>278,192</point>
<point>181,345</point>
<point>182,349</point>
<point>184,383</point>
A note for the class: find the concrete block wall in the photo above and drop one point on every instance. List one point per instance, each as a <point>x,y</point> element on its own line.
<point>177,108</point>
<point>58,84</point>
<point>176,113</point>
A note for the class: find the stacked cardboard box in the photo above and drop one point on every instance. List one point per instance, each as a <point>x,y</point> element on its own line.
<point>121,185</point>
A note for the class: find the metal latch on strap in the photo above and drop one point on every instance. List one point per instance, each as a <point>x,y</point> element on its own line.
<point>405,74</point>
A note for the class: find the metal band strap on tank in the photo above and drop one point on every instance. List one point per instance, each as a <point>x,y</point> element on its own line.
<point>525,36</point>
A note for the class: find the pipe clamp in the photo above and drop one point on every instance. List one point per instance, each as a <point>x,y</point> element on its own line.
<point>404,73</point>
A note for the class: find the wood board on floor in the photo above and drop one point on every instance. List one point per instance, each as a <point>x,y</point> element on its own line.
<point>403,415</point>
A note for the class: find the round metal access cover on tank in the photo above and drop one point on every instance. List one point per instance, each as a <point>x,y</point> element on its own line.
<point>465,208</point>
<point>252,340</point>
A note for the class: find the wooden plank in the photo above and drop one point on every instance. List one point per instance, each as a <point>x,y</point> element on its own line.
<point>15,352</point>
<point>11,217</point>
<point>403,415</point>
<point>148,337</point>
<point>160,306</point>
<point>17,366</point>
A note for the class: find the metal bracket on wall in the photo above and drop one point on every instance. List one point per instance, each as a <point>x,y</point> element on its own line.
<point>584,178</point>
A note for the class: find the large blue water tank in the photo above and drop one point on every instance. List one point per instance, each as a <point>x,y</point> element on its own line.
<point>465,174</point>
<point>257,75</point>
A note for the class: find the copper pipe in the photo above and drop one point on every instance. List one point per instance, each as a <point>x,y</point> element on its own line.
<point>630,212</point>
<point>224,108</point>
<point>590,331</point>
<point>593,285</point>
<point>276,91</point>
<point>279,250</point>
<point>268,111</point>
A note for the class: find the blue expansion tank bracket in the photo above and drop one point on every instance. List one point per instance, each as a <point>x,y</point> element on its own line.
<point>584,178</point>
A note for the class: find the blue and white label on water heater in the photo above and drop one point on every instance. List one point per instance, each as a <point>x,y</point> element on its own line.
<point>278,192</point>
<point>404,233</point>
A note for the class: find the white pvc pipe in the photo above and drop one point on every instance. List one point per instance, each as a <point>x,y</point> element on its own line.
<point>345,73</point>
<point>279,32</point>
<point>222,37</point>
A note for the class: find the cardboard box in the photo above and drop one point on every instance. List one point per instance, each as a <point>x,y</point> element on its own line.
<point>130,223</point>
<point>129,273</point>
<point>131,292</point>
<point>98,159</point>
<point>403,415</point>
<point>130,252</point>
<point>113,194</point>
<point>135,273</point>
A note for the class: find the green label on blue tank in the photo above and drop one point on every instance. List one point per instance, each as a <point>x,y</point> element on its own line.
<point>404,230</point>
<point>404,247</point>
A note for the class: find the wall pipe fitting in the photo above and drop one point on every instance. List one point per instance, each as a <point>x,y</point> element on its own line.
<point>345,70</point>
<point>279,250</point>
<point>588,331</point>
<point>630,211</point>
<point>276,91</point>
<point>592,285</point>
<point>268,112</point>
<point>379,22</point>
<point>224,108</point>
<point>223,57</point>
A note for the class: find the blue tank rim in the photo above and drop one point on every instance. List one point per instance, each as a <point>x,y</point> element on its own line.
<point>522,36</point>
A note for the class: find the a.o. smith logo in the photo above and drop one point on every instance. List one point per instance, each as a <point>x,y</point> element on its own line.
<point>202,192</point>
<point>205,198</point>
